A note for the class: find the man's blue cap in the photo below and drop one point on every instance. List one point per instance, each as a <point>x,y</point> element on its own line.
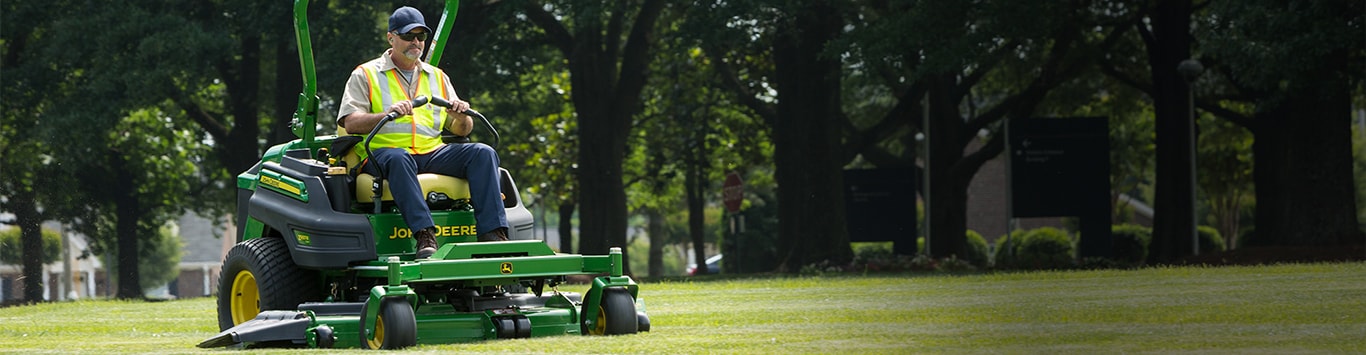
<point>406,19</point>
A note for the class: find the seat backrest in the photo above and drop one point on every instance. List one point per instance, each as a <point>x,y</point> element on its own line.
<point>348,144</point>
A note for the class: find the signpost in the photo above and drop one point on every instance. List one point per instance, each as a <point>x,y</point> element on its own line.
<point>733,192</point>
<point>733,196</point>
<point>1061,167</point>
<point>880,206</point>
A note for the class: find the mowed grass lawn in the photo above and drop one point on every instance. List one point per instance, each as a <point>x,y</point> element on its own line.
<point>1309,308</point>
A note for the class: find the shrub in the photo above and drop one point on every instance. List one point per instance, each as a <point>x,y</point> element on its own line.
<point>1129,243</point>
<point>1045,248</point>
<point>1210,240</point>
<point>978,254</point>
<point>11,251</point>
<point>1005,255</point>
<point>877,257</point>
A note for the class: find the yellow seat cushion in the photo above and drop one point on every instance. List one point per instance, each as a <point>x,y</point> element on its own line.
<point>453,187</point>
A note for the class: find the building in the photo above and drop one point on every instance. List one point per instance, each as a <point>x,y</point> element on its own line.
<point>204,245</point>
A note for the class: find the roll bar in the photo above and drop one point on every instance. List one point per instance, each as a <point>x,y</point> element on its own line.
<point>306,116</point>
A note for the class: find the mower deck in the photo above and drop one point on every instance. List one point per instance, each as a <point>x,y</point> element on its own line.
<point>444,300</point>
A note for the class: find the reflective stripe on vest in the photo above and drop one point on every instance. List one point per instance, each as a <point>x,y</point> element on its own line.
<point>419,133</point>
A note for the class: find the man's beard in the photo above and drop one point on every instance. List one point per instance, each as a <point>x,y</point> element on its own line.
<point>413,53</point>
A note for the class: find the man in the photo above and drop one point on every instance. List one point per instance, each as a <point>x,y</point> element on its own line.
<point>411,144</point>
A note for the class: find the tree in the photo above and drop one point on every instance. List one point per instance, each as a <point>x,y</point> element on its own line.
<point>976,64</point>
<point>1359,163</point>
<point>1225,175</point>
<point>132,166</point>
<point>1299,71</point>
<point>33,183</point>
<point>689,136</point>
<point>607,47</point>
<point>1168,43</point>
<point>132,178</point>
<point>159,257</point>
<point>526,91</point>
<point>546,154</point>
<point>793,83</point>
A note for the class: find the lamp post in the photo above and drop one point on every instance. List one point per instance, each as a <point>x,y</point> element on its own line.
<point>1190,69</point>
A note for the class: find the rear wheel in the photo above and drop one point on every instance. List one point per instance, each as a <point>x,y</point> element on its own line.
<point>395,325</point>
<point>259,275</point>
<point>616,313</point>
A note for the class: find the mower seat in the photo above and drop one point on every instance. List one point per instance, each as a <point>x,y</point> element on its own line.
<point>453,187</point>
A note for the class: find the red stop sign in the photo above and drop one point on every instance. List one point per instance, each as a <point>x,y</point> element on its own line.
<point>733,192</point>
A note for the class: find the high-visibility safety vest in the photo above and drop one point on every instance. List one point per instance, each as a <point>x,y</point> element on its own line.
<point>420,132</point>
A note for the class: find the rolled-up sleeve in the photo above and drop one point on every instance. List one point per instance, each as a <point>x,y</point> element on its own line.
<point>356,98</point>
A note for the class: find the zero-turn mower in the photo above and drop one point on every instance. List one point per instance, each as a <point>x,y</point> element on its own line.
<point>325,260</point>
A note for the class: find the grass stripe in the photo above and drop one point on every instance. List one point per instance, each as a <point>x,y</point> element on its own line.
<point>1302,308</point>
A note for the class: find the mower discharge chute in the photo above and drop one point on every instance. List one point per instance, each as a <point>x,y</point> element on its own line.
<point>325,260</point>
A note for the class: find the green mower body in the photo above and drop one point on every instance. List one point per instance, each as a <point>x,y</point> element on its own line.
<point>315,266</point>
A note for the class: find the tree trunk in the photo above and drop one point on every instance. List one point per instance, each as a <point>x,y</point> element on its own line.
<point>30,221</point>
<point>806,141</point>
<point>607,80</point>
<point>947,217</point>
<point>1227,210</point>
<point>566,227</point>
<point>657,239</point>
<point>1173,220</point>
<point>1302,159</point>
<point>695,184</point>
<point>602,220</point>
<point>288,85</point>
<point>127,210</point>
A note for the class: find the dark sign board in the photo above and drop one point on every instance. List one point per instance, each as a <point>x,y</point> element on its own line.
<point>1061,167</point>
<point>880,206</point>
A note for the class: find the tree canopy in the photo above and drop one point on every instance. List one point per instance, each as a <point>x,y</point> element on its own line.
<point>136,111</point>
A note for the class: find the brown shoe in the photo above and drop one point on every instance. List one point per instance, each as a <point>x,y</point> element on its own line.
<point>426,243</point>
<point>495,235</point>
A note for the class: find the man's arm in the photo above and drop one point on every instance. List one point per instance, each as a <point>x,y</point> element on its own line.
<point>460,124</point>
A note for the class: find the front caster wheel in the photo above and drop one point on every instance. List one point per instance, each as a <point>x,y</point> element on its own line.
<point>616,313</point>
<point>395,326</point>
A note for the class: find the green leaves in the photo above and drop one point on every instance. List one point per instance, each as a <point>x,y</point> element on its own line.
<point>10,247</point>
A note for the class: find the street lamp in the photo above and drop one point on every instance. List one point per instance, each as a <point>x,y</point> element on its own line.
<point>1190,69</point>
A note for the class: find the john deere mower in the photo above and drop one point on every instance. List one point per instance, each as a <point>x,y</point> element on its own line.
<point>324,259</point>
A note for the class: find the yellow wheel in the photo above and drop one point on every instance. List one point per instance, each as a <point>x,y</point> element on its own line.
<point>395,325</point>
<point>245,300</point>
<point>616,313</point>
<point>378,342</point>
<point>259,275</point>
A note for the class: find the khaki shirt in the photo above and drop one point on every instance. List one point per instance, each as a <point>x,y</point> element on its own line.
<point>356,98</point>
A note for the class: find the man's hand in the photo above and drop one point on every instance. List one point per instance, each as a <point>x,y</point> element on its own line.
<point>457,106</point>
<point>461,124</point>
<point>402,108</point>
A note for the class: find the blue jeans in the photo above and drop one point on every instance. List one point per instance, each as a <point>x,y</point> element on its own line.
<point>475,162</point>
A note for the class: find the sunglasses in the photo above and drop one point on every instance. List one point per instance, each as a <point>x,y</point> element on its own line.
<point>410,36</point>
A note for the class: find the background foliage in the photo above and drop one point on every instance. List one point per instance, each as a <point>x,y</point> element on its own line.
<point>118,116</point>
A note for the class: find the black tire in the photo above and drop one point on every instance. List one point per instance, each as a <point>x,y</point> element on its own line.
<point>616,313</point>
<point>259,275</point>
<point>396,327</point>
<point>326,338</point>
<point>643,322</point>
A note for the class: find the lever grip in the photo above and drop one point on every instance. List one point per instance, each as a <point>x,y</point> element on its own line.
<point>440,102</point>
<point>417,102</point>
